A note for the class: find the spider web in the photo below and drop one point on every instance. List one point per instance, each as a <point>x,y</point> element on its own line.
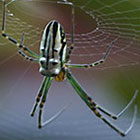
<point>112,23</point>
<point>111,20</point>
<point>100,23</point>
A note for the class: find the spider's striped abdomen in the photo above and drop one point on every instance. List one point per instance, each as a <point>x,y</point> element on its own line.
<point>52,49</point>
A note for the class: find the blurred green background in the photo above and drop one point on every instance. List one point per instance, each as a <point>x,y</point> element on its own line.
<point>112,85</point>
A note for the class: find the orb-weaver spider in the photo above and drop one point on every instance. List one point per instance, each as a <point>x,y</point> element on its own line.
<point>54,64</point>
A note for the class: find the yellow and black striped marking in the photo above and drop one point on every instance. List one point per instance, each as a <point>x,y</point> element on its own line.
<point>95,108</point>
<point>93,104</point>
<point>39,95</point>
<point>101,61</point>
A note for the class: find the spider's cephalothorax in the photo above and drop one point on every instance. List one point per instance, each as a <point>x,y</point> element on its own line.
<point>53,51</point>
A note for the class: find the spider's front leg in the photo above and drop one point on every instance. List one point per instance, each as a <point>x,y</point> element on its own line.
<point>40,92</point>
<point>101,61</point>
<point>115,117</point>
<point>45,91</point>
<point>43,94</point>
<point>33,56</point>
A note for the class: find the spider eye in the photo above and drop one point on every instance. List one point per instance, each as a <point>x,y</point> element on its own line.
<point>42,60</point>
<point>54,63</point>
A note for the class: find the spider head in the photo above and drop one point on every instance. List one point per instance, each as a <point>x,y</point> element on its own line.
<point>49,67</point>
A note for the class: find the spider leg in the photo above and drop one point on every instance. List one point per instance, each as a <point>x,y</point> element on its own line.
<point>92,103</point>
<point>27,57</point>
<point>94,108</point>
<point>72,26</point>
<point>113,116</point>
<point>45,91</point>
<point>39,95</point>
<point>23,54</point>
<point>118,130</point>
<point>121,112</point>
<point>72,31</point>
<point>22,38</point>
<point>94,63</point>
<point>54,116</point>
<point>19,45</point>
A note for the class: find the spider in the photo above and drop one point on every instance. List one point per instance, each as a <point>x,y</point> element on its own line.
<point>54,64</point>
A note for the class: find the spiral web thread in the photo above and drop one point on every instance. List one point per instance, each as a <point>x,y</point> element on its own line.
<point>116,20</point>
